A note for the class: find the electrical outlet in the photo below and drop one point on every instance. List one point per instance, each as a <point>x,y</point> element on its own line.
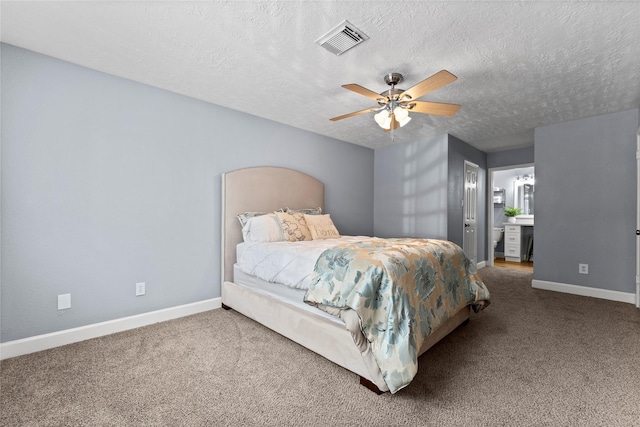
<point>583,268</point>
<point>64,301</point>
<point>140,289</point>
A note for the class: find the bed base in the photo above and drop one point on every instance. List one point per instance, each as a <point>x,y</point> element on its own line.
<point>325,337</point>
<point>318,333</point>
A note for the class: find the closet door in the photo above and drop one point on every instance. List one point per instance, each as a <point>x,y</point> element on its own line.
<point>470,207</point>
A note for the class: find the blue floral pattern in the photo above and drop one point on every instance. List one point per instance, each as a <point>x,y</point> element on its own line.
<point>402,289</point>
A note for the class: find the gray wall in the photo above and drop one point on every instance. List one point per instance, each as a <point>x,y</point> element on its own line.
<point>519,156</point>
<point>586,201</point>
<point>410,189</point>
<point>458,152</point>
<point>107,182</point>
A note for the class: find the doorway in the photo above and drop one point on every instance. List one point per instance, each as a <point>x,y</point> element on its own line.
<point>510,245</point>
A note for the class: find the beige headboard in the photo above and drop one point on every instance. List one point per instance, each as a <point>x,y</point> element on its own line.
<point>261,189</point>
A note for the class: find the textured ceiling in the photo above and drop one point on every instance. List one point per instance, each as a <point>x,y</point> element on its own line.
<point>519,64</point>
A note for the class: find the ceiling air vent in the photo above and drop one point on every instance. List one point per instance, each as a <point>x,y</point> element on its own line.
<point>342,38</point>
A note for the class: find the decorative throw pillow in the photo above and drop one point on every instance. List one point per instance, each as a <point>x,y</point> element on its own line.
<point>294,227</point>
<point>321,227</point>
<point>263,228</point>
<point>305,211</point>
<point>244,217</point>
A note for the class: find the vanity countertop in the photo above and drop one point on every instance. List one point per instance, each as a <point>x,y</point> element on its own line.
<point>522,220</point>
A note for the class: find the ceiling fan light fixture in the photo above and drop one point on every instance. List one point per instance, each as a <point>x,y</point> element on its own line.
<point>383,119</point>
<point>401,114</point>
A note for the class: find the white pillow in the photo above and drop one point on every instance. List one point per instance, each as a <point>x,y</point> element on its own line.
<point>321,227</point>
<point>263,228</point>
<point>244,217</point>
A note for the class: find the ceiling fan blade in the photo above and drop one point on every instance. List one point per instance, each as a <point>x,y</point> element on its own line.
<point>355,113</point>
<point>394,124</point>
<point>436,108</point>
<point>429,84</point>
<point>363,91</point>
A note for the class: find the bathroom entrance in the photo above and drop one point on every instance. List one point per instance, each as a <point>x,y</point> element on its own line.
<point>511,214</point>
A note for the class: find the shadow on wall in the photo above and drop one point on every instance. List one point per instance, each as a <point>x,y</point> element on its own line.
<point>411,189</point>
<point>424,190</point>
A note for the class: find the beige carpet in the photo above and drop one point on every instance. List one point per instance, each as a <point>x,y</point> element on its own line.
<point>532,357</point>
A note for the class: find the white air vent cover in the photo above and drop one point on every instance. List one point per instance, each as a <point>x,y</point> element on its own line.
<point>342,38</point>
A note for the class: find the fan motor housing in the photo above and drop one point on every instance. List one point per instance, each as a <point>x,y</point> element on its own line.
<point>391,95</point>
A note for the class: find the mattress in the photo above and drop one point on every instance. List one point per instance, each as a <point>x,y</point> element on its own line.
<point>287,263</point>
<point>279,292</point>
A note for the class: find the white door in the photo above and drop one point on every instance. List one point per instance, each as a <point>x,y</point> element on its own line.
<point>470,207</point>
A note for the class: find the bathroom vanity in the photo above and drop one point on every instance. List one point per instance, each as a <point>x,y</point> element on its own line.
<point>518,242</point>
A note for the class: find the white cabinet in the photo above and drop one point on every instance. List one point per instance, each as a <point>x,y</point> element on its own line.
<point>518,242</point>
<point>512,243</point>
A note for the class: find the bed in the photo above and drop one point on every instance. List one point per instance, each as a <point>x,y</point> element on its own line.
<point>281,308</point>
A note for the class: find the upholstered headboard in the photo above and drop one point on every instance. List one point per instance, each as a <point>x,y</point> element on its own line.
<point>261,189</point>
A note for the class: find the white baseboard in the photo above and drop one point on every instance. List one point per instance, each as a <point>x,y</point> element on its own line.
<point>481,264</point>
<point>68,336</point>
<point>585,291</point>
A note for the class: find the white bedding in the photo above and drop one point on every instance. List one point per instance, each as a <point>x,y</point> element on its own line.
<point>287,263</point>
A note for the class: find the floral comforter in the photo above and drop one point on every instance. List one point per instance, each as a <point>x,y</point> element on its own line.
<point>402,289</point>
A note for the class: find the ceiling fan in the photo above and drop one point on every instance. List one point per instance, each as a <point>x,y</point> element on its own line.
<point>395,104</point>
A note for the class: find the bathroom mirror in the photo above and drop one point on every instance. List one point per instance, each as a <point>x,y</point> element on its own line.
<point>523,194</point>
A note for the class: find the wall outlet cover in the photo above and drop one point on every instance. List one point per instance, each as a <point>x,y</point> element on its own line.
<point>64,301</point>
<point>583,268</point>
<point>140,288</point>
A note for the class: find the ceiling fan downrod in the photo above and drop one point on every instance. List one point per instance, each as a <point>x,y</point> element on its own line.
<point>393,94</point>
